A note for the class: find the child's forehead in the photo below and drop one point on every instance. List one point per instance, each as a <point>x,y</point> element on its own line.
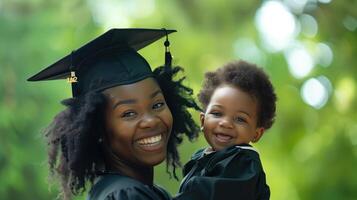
<point>229,88</point>
<point>232,96</point>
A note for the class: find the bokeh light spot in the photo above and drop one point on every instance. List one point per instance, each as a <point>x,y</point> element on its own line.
<point>350,23</point>
<point>300,62</point>
<point>119,14</point>
<point>344,93</point>
<point>276,25</point>
<point>325,1</point>
<point>314,93</point>
<point>246,49</point>
<point>324,55</point>
<point>309,25</point>
<point>296,5</point>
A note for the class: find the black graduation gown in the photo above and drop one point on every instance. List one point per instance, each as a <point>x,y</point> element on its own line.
<point>232,173</point>
<point>118,187</point>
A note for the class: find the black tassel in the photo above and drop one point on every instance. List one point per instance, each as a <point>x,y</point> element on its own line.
<point>168,57</point>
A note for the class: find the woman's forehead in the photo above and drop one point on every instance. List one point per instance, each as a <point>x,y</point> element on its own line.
<point>143,88</point>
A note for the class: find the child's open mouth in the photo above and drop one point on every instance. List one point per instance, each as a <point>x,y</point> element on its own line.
<point>223,138</point>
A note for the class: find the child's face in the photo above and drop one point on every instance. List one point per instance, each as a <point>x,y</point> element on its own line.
<point>230,118</point>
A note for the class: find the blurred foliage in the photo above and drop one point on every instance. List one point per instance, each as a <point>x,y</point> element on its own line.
<point>308,154</point>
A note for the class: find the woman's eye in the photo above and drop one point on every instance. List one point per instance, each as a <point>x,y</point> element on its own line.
<point>128,114</point>
<point>158,105</point>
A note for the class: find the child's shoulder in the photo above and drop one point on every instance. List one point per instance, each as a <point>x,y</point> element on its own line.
<point>234,157</point>
<point>198,154</point>
<point>244,150</point>
<point>235,171</point>
<point>247,150</point>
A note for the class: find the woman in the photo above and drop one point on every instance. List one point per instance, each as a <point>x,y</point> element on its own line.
<point>123,118</point>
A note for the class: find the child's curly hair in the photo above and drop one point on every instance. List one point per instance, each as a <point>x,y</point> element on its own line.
<point>250,79</point>
<point>74,151</point>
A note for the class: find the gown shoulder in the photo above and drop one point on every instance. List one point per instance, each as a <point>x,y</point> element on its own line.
<point>118,187</point>
<point>232,173</point>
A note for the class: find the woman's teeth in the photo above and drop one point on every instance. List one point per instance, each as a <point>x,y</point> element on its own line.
<point>150,140</point>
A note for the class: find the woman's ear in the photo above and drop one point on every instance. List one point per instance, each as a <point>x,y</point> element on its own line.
<point>202,120</point>
<point>258,134</point>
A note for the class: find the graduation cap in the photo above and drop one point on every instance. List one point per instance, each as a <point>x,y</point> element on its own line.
<point>107,61</point>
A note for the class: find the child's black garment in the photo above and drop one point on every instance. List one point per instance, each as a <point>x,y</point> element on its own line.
<point>111,186</point>
<point>232,173</point>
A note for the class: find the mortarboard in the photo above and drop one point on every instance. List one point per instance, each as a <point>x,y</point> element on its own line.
<point>107,61</point>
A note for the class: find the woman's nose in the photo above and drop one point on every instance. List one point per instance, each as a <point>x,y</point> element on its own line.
<point>148,121</point>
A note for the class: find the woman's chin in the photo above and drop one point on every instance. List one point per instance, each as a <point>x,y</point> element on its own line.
<point>154,160</point>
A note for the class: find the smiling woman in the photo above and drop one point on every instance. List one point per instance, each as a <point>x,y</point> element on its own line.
<point>138,124</point>
<point>119,123</point>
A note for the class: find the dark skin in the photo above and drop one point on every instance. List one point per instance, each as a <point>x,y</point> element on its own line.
<point>231,118</point>
<point>139,124</point>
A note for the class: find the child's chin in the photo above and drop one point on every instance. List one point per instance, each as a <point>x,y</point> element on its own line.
<point>219,147</point>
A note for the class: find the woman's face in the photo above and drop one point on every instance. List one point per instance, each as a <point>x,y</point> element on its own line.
<point>230,118</point>
<point>138,122</point>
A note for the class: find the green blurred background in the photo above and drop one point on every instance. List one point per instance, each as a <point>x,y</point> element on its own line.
<point>308,47</point>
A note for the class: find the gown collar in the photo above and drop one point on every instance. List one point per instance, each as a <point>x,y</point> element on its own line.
<point>210,150</point>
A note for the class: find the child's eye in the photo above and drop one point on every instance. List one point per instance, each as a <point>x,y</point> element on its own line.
<point>216,114</point>
<point>239,120</point>
<point>128,114</point>
<point>158,105</point>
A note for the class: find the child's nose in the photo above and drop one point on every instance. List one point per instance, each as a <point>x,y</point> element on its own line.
<point>226,123</point>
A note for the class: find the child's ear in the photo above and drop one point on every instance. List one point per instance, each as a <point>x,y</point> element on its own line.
<point>202,119</point>
<point>258,134</point>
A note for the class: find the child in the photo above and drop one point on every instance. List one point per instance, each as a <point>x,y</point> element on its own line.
<point>239,105</point>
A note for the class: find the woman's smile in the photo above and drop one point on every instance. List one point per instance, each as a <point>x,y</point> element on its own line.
<point>152,143</point>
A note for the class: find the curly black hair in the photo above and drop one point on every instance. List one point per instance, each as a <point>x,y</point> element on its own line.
<point>249,78</point>
<point>74,151</point>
